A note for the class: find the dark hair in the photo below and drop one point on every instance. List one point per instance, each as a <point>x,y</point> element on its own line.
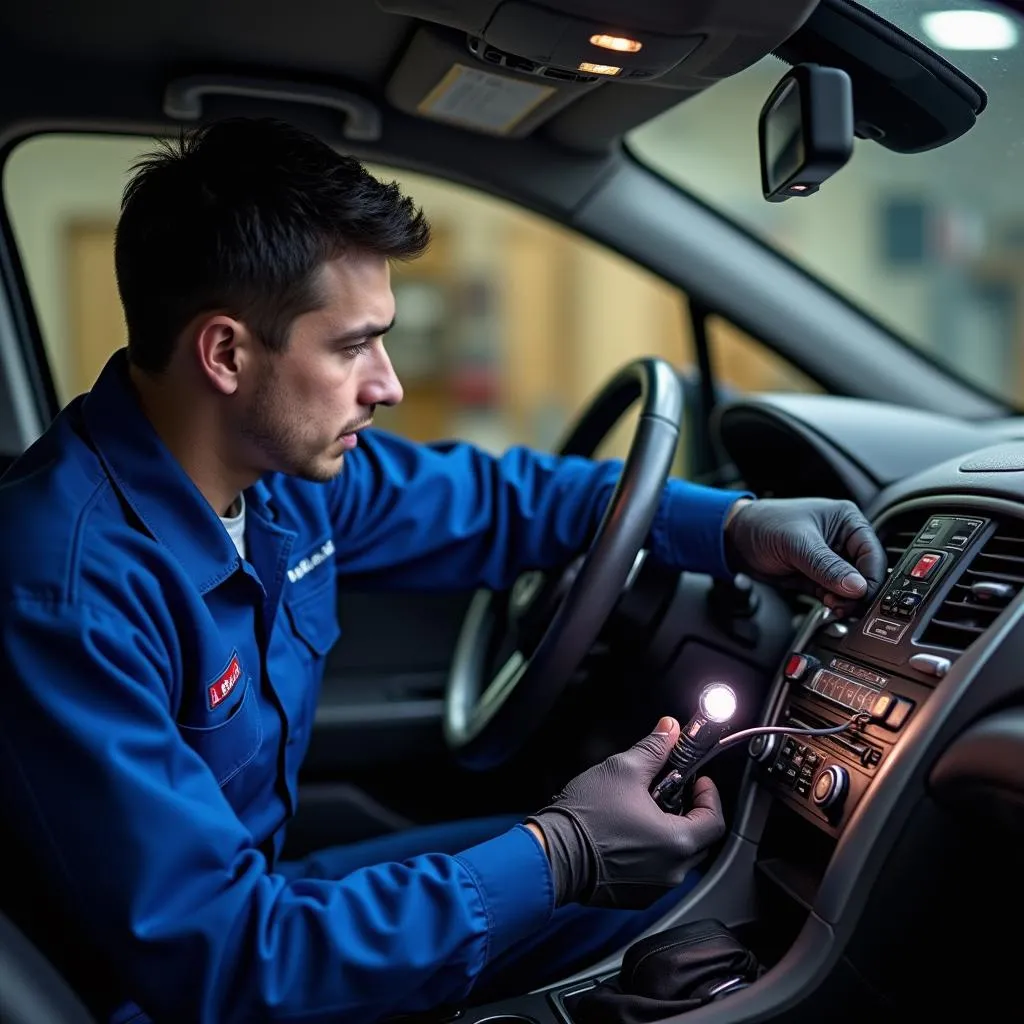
<point>238,216</point>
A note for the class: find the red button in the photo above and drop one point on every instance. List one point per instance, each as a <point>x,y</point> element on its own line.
<point>925,566</point>
<point>795,667</point>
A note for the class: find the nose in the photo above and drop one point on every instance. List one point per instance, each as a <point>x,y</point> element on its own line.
<point>381,385</point>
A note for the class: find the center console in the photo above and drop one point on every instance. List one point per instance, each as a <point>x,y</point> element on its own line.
<point>872,664</point>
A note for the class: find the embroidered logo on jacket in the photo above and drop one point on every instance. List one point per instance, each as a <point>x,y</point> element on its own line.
<point>222,686</point>
<point>307,565</point>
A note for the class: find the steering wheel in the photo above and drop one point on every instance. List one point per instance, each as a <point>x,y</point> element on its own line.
<point>540,630</point>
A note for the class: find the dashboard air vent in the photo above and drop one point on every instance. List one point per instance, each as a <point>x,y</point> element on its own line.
<point>897,535</point>
<point>993,578</point>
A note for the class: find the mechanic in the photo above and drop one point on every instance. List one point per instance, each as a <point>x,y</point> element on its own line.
<point>170,552</point>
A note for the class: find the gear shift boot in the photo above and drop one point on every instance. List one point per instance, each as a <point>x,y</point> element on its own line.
<point>667,974</point>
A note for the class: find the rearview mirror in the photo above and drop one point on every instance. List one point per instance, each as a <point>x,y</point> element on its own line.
<point>805,131</point>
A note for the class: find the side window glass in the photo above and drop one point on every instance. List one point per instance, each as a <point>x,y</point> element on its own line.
<point>743,365</point>
<point>511,323</point>
<point>63,195</point>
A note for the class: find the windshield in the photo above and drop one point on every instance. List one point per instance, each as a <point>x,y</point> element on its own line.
<point>931,244</point>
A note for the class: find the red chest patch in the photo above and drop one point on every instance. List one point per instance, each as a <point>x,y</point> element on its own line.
<point>222,686</point>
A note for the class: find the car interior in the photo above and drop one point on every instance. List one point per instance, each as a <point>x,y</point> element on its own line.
<point>855,333</point>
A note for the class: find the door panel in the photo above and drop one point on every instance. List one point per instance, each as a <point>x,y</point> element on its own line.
<point>383,688</point>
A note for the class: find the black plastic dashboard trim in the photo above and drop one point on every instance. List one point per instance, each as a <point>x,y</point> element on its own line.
<point>983,770</point>
<point>852,476</point>
<point>864,442</point>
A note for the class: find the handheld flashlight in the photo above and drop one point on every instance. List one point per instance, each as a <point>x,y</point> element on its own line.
<point>703,738</point>
<point>715,710</point>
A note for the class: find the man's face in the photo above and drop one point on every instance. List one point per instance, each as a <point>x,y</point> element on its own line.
<point>308,402</point>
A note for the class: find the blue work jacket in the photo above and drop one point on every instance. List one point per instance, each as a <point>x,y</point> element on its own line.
<point>157,694</point>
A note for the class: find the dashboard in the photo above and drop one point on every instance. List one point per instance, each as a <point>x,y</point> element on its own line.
<point>790,445</point>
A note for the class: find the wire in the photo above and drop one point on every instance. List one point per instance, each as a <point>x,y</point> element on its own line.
<point>774,730</point>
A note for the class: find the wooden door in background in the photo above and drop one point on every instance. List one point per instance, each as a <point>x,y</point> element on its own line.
<point>95,319</point>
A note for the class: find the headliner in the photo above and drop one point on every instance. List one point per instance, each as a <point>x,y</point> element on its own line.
<point>110,60</point>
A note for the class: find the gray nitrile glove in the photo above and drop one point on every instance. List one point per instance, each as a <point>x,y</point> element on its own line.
<point>817,545</point>
<point>610,844</point>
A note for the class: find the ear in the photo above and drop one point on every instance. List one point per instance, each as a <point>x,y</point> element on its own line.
<point>223,347</point>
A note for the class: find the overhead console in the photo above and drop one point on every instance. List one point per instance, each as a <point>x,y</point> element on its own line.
<point>505,66</point>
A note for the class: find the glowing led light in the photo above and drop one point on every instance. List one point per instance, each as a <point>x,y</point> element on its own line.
<point>599,69</point>
<point>718,702</point>
<point>621,44</point>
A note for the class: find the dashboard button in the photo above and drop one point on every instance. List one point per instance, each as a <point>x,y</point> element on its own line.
<point>926,565</point>
<point>799,666</point>
<point>886,629</point>
<point>898,715</point>
<point>962,533</point>
<point>882,706</point>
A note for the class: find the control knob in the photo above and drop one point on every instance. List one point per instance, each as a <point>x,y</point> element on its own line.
<point>830,787</point>
<point>761,748</point>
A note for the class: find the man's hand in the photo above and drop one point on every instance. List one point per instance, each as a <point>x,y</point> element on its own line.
<point>610,844</point>
<point>818,545</point>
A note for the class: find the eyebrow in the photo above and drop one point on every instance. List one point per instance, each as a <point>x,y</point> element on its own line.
<point>366,331</point>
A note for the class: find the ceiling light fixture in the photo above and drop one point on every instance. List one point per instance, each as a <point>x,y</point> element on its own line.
<point>622,44</point>
<point>598,69</point>
<point>970,30</point>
